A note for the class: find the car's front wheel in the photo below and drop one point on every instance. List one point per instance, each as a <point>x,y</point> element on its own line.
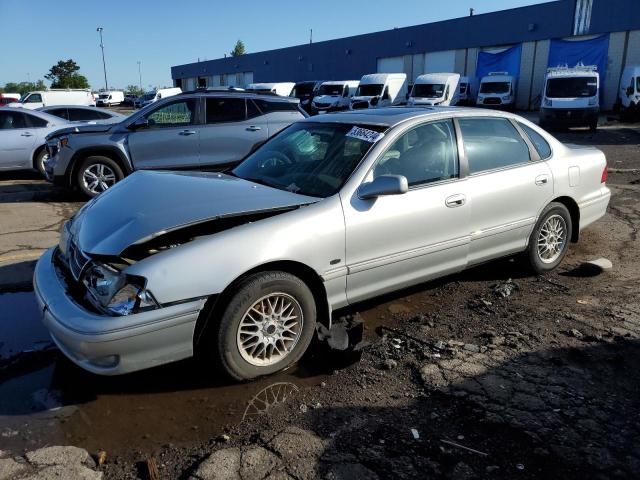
<point>41,157</point>
<point>549,240</point>
<point>97,174</point>
<point>266,326</point>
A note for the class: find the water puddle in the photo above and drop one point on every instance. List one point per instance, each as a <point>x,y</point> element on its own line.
<point>20,326</point>
<point>46,400</point>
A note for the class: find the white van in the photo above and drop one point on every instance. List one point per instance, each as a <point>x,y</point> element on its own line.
<point>379,90</point>
<point>334,96</point>
<point>435,89</point>
<point>46,98</point>
<point>464,91</point>
<point>281,88</point>
<point>570,97</point>
<point>629,96</point>
<point>497,90</point>
<point>155,95</point>
<point>108,99</point>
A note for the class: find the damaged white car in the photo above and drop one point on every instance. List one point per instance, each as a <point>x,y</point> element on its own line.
<point>332,211</point>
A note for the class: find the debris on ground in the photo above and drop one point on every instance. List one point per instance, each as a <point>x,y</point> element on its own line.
<point>601,263</point>
<point>504,289</point>
<point>457,445</point>
<point>346,333</point>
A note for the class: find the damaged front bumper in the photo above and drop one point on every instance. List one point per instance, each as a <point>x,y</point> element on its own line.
<point>112,345</point>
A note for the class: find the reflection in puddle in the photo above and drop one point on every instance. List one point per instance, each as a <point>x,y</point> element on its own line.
<point>267,398</point>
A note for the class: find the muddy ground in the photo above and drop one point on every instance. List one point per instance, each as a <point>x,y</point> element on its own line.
<point>456,380</point>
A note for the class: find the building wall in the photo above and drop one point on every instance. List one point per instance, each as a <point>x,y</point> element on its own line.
<point>448,45</point>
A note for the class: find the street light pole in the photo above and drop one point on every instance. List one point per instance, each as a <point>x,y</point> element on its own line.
<point>104,65</point>
<point>140,73</point>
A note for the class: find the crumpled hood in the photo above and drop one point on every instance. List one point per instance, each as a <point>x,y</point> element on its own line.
<point>147,204</point>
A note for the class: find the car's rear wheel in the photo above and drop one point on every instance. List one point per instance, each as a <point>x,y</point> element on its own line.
<point>549,240</point>
<point>266,326</point>
<point>97,174</point>
<point>41,157</point>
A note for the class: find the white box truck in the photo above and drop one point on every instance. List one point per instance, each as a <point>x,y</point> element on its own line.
<point>378,90</point>
<point>109,99</point>
<point>46,98</point>
<point>629,96</point>
<point>497,90</point>
<point>570,97</point>
<point>334,96</point>
<point>435,89</point>
<point>155,95</point>
<point>280,88</point>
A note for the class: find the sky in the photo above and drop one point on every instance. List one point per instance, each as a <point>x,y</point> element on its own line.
<point>36,34</point>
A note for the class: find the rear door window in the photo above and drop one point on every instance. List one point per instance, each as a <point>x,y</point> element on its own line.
<point>59,112</point>
<point>81,114</point>
<point>541,145</point>
<point>492,143</point>
<point>225,110</point>
<point>12,120</point>
<point>268,106</point>
<point>34,122</point>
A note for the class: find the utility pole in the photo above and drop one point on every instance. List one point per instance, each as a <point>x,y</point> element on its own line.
<point>140,73</point>
<point>311,36</point>
<point>104,65</point>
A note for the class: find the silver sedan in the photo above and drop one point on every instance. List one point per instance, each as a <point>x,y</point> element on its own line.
<point>244,265</point>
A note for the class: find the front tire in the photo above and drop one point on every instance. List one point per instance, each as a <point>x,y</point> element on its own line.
<point>266,326</point>
<point>549,240</point>
<point>97,174</point>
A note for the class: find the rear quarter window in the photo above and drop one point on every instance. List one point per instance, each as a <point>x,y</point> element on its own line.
<point>268,106</point>
<point>541,145</point>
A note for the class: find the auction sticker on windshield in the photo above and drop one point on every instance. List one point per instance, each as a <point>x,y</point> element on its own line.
<point>365,134</point>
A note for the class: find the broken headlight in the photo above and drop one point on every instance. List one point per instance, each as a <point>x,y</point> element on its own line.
<point>116,293</point>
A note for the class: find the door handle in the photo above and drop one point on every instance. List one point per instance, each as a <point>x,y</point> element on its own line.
<point>26,134</point>
<point>542,180</point>
<point>455,201</point>
<point>186,133</point>
<point>253,128</point>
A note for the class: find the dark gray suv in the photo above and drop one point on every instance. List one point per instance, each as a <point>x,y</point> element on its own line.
<point>193,130</point>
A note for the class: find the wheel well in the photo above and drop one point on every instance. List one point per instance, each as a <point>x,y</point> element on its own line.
<point>216,303</point>
<point>35,155</point>
<point>574,211</point>
<point>81,155</point>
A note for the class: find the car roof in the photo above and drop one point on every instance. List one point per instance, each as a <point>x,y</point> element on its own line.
<point>391,116</point>
<point>238,93</point>
<point>37,113</point>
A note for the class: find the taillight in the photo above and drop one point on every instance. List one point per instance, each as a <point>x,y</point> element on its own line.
<point>605,174</point>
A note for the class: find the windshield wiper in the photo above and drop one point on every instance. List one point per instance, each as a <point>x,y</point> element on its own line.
<point>260,181</point>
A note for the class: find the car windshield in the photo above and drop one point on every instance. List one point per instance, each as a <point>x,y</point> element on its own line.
<point>572,87</point>
<point>103,95</point>
<point>302,89</point>
<point>495,87</point>
<point>369,90</point>
<point>428,90</point>
<point>313,159</point>
<point>330,89</point>
<point>148,96</point>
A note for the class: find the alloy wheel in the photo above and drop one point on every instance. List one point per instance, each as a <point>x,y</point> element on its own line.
<point>98,177</point>
<point>552,239</point>
<point>270,329</point>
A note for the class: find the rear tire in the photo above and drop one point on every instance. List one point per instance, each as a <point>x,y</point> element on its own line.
<point>275,311</point>
<point>549,240</point>
<point>39,160</point>
<point>97,174</point>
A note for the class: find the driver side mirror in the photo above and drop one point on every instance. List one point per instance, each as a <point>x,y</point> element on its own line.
<point>382,186</point>
<point>139,124</point>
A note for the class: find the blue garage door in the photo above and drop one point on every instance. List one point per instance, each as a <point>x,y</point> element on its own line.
<point>506,61</point>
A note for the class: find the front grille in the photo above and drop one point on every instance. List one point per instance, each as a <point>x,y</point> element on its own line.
<point>492,101</point>
<point>359,105</point>
<point>323,105</point>
<point>77,260</point>
<point>569,114</point>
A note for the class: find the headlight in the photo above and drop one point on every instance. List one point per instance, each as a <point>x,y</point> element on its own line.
<point>116,293</point>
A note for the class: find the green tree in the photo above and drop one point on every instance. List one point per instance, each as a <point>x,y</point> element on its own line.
<point>24,87</point>
<point>65,74</point>
<point>134,90</point>
<point>238,49</point>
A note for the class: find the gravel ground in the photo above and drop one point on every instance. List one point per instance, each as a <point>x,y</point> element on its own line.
<point>491,373</point>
